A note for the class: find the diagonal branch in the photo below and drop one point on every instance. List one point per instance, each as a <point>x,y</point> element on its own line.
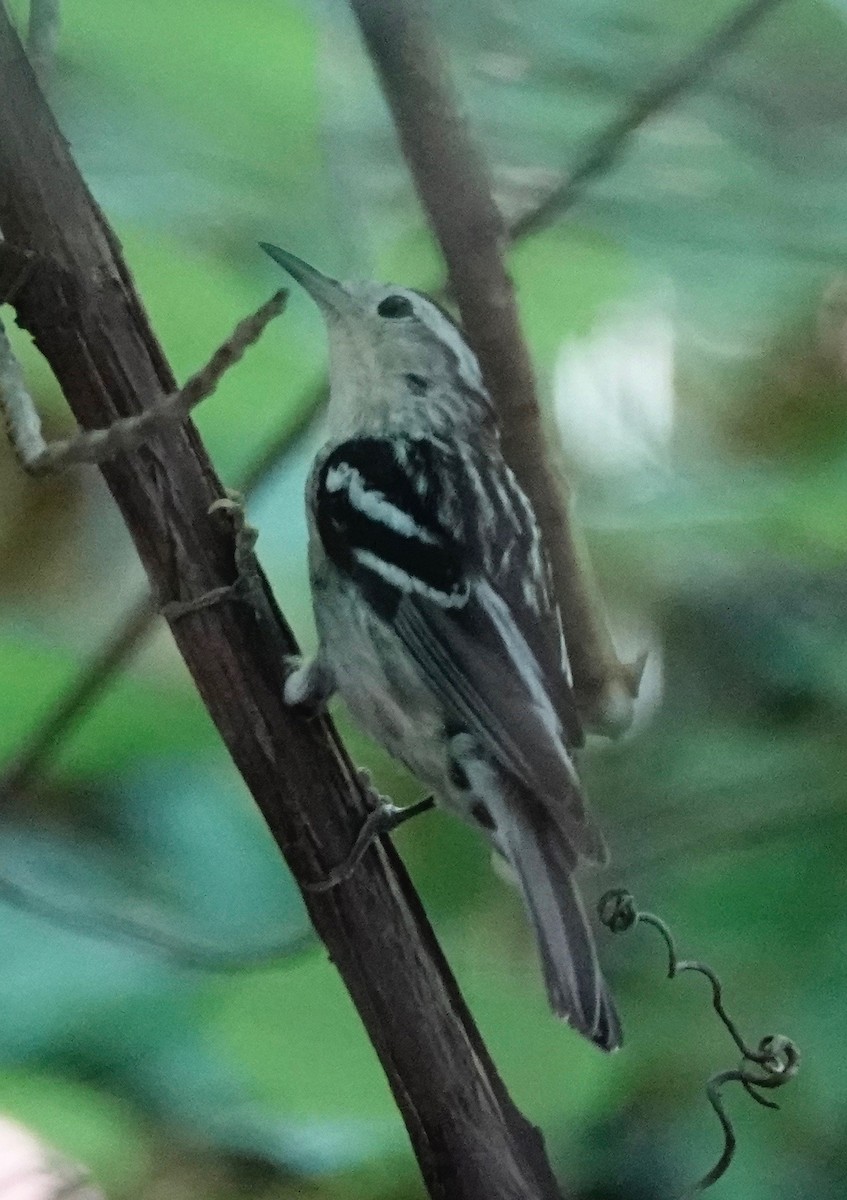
<point>604,149</point>
<point>172,946</point>
<point>45,739</point>
<point>80,305</point>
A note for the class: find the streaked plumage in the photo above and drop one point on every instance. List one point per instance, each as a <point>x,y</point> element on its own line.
<point>435,612</point>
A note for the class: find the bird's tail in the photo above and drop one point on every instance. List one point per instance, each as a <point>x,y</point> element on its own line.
<point>544,864</point>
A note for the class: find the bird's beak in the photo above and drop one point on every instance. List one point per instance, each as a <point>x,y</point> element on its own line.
<point>328,294</point>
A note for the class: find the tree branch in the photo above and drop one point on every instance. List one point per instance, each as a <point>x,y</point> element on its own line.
<point>171,945</point>
<point>80,305</point>
<point>604,149</point>
<point>454,188</point>
<point>70,707</point>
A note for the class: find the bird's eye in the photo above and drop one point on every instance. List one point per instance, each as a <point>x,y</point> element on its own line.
<point>395,306</point>
<point>417,384</point>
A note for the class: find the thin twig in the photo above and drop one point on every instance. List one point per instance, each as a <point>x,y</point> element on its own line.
<point>71,706</point>
<point>772,1064</point>
<point>605,148</point>
<point>37,457</point>
<point>454,189</point>
<point>110,926</point>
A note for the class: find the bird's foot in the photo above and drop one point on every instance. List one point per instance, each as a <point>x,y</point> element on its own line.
<point>385,818</point>
<point>244,586</point>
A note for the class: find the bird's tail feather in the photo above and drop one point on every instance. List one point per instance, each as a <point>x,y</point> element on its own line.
<point>544,864</point>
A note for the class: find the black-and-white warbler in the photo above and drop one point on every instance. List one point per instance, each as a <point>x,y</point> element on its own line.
<point>434,609</point>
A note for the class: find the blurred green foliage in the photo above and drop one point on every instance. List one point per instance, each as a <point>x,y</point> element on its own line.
<point>203,129</point>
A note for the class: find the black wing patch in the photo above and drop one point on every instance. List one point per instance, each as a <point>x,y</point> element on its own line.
<point>378,514</point>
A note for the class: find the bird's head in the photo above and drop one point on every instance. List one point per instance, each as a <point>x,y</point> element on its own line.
<point>396,357</point>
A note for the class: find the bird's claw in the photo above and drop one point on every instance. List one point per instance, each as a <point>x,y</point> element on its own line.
<point>230,506</point>
<point>384,818</point>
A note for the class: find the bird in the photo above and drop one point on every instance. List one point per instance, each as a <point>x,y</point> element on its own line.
<point>436,618</point>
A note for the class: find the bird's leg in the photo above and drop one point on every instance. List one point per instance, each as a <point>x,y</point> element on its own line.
<point>245,585</point>
<point>246,535</point>
<point>384,818</point>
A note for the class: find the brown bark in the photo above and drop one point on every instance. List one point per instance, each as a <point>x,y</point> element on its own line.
<point>79,303</point>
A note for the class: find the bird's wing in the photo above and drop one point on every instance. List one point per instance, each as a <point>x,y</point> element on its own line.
<point>405,521</point>
<point>513,562</point>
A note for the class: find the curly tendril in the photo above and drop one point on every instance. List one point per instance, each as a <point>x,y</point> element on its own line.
<point>772,1064</point>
